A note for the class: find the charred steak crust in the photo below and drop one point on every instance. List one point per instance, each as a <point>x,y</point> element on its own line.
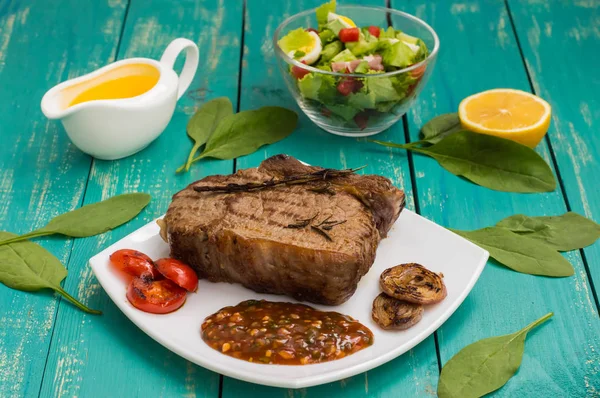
<point>244,237</point>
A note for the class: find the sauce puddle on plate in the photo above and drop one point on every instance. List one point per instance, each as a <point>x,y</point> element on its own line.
<point>284,333</point>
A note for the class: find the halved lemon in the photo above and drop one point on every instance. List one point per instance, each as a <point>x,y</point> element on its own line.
<point>512,114</point>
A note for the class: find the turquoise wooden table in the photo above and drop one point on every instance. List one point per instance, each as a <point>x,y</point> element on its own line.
<point>551,48</point>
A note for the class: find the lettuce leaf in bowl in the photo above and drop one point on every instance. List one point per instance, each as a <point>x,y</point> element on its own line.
<point>323,10</point>
<point>363,100</point>
<point>366,44</point>
<point>318,87</point>
<point>331,50</point>
<point>346,112</point>
<point>383,89</point>
<point>399,55</point>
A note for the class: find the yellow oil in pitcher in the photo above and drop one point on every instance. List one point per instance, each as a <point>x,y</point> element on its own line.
<point>126,81</point>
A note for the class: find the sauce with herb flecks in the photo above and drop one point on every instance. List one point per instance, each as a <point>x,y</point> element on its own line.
<point>284,333</point>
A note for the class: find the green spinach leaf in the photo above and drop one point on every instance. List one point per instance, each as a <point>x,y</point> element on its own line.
<point>519,252</point>
<point>29,267</point>
<point>203,123</point>
<point>521,223</point>
<point>491,162</point>
<point>570,231</point>
<point>441,126</point>
<point>91,219</point>
<point>245,132</point>
<point>484,366</point>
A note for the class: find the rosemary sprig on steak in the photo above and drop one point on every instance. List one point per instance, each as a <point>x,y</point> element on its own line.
<point>319,175</point>
<point>321,228</point>
<point>302,223</point>
<point>322,232</point>
<point>325,188</point>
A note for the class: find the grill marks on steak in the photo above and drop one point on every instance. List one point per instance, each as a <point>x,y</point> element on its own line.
<point>242,237</point>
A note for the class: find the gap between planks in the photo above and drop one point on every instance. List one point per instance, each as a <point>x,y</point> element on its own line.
<point>552,154</point>
<point>80,203</point>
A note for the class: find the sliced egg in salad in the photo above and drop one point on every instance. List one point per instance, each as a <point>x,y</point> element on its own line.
<point>311,51</point>
<point>347,22</point>
<point>302,45</point>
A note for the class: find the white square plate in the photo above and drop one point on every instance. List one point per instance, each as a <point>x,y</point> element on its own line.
<point>412,239</point>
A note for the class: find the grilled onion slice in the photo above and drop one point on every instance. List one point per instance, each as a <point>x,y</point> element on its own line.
<point>413,283</point>
<point>390,313</point>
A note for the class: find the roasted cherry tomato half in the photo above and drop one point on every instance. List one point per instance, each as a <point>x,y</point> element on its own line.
<point>178,272</point>
<point>134,263</point>
<point>156,297</point>
<point>374,31</point>
<point>349,34</point>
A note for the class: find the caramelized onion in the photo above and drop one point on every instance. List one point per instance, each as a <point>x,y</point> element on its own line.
<point>163,229</point>
<point>413,283</point>
<point>390,313</point>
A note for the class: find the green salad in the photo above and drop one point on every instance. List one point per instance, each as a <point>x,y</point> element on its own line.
<point>338,45</point>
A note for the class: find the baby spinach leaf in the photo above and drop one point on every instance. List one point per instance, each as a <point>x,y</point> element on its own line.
<point>484,366</point>
<point>570,231</point>
<point>203,123</point>
<point>521,223</point>
<point>245,132</point>
<point>519,252</point>
<point>441,126</point>
<point>91,219</point>
<point>491,162</point>
<point>29,267</point>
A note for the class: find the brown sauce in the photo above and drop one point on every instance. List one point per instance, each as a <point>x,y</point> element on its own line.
<point>284,333</point>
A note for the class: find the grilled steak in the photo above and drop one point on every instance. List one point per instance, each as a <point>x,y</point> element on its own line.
<point>270,240</point>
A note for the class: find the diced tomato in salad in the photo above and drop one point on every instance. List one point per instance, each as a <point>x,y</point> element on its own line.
<point>299,72</point>
<point>418,72</point>
<point>349,34</point>
<point>374,31</point>
<point>361,119</point>
<point>349,85</point>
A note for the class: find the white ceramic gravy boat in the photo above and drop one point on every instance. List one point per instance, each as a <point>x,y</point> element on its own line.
<point>115,128</point>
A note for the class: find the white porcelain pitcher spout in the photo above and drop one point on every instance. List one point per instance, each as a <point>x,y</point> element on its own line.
<point>115,128</point>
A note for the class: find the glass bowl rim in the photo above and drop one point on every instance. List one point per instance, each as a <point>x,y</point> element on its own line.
<point>283,55</point>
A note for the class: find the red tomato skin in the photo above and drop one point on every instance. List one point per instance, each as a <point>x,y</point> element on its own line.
<point>348,85</point>
<point>361,120</point>
<point>180,273</point>
<point>349,34</point>
<point>374,31</point>
<point>418,72</point>
<point>155,297</point>
<point>134,263</point>
<point>299,72</point>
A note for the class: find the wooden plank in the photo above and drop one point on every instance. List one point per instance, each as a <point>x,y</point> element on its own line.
<point>479,52</point>
<point>415,373</point>
<point>108,355</point>
<point>41,173</point>
<point>569,31</point>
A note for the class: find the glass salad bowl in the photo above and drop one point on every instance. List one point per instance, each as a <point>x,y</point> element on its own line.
<point>330,90</point>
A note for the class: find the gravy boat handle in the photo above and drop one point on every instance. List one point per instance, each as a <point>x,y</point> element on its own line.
<point>191,61</point>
